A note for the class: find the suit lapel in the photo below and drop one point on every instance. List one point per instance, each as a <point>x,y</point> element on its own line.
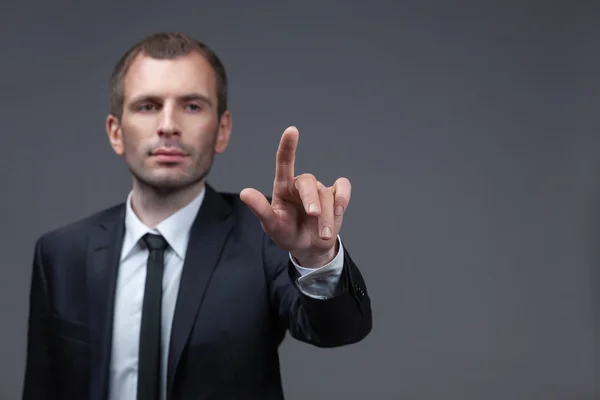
<point>207,239</point>
<point>102,265</point>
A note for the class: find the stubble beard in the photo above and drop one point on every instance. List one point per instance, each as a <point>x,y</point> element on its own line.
<point>169,185</point>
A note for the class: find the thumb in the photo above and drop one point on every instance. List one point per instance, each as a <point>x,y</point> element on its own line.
<point>260,206</point>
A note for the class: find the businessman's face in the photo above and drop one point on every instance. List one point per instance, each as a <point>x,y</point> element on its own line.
<point>169,131</point>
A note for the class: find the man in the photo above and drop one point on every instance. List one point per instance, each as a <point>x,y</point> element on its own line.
<point>183,292</point>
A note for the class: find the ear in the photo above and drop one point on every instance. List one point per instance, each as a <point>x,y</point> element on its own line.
<point>224,132</point>
<point>115,134</point>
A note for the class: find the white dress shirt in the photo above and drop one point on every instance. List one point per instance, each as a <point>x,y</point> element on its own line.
<point>315,282</point>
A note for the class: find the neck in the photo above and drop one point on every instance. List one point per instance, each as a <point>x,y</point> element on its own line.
<point>152,206</point>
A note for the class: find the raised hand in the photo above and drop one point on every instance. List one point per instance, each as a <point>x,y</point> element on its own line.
<point>304,216</point>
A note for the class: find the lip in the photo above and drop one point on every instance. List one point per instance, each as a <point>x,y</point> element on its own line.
<point>168,152</point>
<point>168,158</point>
<point>168,155</point>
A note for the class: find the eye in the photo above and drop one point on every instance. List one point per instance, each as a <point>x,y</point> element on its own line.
<point>146,107</point>
<point>194,107</point>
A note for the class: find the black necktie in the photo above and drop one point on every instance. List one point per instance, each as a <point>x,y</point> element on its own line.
<point>149,387</point>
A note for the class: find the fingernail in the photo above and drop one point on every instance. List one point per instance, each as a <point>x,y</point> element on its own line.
<point>326,232</point>
<point>339,210</point>
<point>313,208</point>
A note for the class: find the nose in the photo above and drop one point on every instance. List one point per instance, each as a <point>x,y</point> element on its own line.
<point>168,124</point>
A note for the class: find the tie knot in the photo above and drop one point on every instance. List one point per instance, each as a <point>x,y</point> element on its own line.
<point>155,242</point>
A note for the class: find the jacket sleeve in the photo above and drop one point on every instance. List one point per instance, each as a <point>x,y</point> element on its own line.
<point>38,381</point>
<point>342,319</point>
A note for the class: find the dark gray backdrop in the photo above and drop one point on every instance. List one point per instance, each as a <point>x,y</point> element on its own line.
<point>467,129</point>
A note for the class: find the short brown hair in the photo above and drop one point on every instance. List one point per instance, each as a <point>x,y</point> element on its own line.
<point>165,45</point>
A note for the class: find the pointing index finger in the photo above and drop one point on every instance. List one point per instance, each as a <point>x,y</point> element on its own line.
<point>286,155</point>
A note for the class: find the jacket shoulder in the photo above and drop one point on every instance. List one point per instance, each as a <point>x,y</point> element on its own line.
<point>74,231</point>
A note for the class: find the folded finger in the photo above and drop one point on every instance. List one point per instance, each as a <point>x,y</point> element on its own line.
<point>306,188</point>
<point>326,218</point>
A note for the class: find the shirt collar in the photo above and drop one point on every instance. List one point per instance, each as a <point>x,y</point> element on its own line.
<point>175,229</point>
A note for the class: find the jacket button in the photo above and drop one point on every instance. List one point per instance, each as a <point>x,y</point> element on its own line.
<point>359,291</point>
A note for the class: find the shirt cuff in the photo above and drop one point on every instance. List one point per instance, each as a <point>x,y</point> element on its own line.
<point>322,282</point>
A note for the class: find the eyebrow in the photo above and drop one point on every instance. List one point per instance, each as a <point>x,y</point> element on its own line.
<point>184,98</point>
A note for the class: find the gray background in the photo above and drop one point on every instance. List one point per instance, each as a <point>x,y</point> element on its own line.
<point>467,129</point>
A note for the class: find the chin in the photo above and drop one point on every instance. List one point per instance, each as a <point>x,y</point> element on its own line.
<point>171,181</point>
<point>164,177</point>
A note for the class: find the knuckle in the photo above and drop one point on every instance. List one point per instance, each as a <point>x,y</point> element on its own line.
<point>344,182</point>
<point>308,177</point>
<point>298,181</point>
<point>342,198</point>
<point>324,190</point>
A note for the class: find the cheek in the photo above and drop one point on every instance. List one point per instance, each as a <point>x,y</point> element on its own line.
<point>132,144</point>
<point>201,136</point>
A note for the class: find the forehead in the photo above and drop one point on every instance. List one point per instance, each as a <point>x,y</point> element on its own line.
<point>170,77</point>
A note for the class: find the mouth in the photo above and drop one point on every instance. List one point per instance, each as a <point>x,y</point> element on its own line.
<point>168,155</point>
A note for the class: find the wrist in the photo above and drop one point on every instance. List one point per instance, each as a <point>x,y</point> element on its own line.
<point>315,259</point>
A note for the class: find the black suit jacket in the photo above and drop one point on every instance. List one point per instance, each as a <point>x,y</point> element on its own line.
<point>236,301</point>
